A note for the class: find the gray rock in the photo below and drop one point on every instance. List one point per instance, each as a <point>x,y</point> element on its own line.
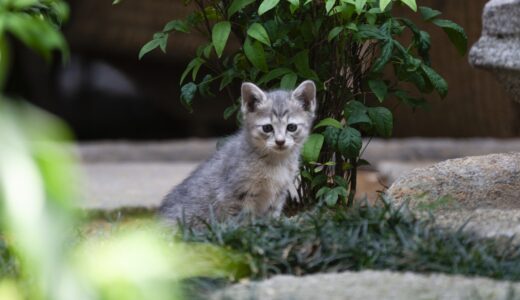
<point>391,170</point>
<point>368,285</point>
<point>490,181</point>
<point>482,193</point>
<point>498,50</point>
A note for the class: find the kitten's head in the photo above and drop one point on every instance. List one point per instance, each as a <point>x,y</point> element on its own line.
<point>278,121</point>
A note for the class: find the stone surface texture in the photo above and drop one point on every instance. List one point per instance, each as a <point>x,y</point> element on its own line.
<point>372,285</point>
<point>489,181</point>
<point>498,50</point>
<point>136,174</point>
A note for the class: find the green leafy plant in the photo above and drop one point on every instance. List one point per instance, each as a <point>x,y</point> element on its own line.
<point>358,52</point>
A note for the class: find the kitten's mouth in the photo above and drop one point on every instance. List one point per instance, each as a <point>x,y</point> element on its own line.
<point>280,148</point>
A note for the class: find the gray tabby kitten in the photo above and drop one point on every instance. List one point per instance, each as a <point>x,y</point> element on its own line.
<point>255,168</point>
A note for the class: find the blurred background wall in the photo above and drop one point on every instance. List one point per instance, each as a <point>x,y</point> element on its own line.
<point>105,92</point>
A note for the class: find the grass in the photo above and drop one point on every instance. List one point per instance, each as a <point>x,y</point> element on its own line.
<point>377,237</point>
<point>366,237</point>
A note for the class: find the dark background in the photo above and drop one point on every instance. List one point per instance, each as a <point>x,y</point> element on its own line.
<point>105,92</point>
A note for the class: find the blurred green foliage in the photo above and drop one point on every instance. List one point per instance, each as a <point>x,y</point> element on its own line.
<point>42,256</point>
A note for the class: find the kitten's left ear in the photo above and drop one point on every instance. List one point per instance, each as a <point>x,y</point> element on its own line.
<point>252,96</point>
<point>306,94</point>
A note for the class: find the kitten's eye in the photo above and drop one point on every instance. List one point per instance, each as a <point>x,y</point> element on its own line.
<point>267,128</point>
<point>292,127</point>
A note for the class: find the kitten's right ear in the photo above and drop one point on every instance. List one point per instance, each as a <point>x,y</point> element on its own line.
<point>251,97</point>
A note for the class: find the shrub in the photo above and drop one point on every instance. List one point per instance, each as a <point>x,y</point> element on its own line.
<point>357,51</point>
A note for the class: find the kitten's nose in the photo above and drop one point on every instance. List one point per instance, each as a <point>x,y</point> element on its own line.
<point>280,143</point>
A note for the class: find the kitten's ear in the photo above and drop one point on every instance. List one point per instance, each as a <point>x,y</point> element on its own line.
<point>251,97</point>
<point>306,94</point>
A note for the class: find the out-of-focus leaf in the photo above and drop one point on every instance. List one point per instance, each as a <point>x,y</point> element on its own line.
<point>237,5</point>
<point>428,14</point>
<point>455,33</point>
<point>258,32</point>
<point>440,85</point>
<point>379,88</point>
<point>328,122</point>
<point>255,54</point>
<point>176,25</point>
<point>410,3</point>
<point>349,142</point>
<point>383,4</point>
<point>288,81</point>
<point>219,36</point>
<point>312,147</point>
<point>267,5</point>
<point>36,33</point>
<point>188,94</point>
<point>382,120</point>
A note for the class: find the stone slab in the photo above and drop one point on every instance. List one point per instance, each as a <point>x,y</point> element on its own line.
<point>372,285</point>
<point>408,149</point>
<point>115,185</point>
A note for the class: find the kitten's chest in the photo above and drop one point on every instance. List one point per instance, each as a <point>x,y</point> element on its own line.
<point>269,184</point>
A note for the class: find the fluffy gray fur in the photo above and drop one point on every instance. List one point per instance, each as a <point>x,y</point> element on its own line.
<point>254,169</point>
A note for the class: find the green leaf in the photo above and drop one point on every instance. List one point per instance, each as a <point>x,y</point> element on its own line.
<point>341,190</point>
<point>331,135</point>
<point>440,85</point>
<point>455,33</point>
<point>255,54</point>
<point>301,62</point>
<point>36,33</point>
<point>188,94</point>
<point>318,180</point>
<point>411,4</point>
<point>349,142</point>
<point>386,55</point>
<point>176,25</point>
<point>238,5</point>
<point>273,74</point>
<point>382,119</point>
<point>322,191</point>
<point>383,4</point>
<point>4,61</point>
<point>379,88</point>
<point>266,6</point>
<point>227,78</point>
<point>367,31</point>
<point>151,45</point>
<point>204,88</point>
<point>329,4</point>
<point>356,113</point>
<point>334,32</point>
<point>312,147</point>
<point>360,5</point>
<point>329,122</point>
<point>194,66</point>
<point>428,14</point>
<point>331,198</point>
<point>258,32</point>
<point>220,35</point>
<point>288,81</point>
<point>228,112</point>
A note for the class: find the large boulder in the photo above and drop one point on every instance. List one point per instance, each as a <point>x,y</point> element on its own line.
<point>371,285</point>
<point>489,181</point>
<point>481,193</point>
<point>498,50</point>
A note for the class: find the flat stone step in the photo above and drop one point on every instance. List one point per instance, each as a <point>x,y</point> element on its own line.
<point>136,185</point>
<point>372,285</point>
